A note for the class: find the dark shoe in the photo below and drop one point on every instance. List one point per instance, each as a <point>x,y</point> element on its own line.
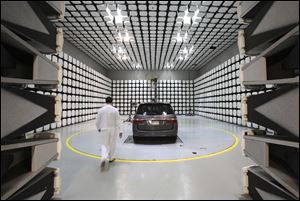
<point>112,160</point>
<point>103,165</point>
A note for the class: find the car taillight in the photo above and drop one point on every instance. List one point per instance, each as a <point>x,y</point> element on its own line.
<point>138,121</point>
<point>172,121</point>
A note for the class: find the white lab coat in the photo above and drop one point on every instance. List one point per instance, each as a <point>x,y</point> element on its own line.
<point>108,123</point>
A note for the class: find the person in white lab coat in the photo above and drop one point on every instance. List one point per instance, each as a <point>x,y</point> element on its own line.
<point>108,124</point>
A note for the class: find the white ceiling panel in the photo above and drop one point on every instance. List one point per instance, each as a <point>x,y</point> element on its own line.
<point>152,26</point>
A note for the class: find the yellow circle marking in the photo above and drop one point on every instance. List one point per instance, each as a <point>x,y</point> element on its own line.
<point>236,141</point>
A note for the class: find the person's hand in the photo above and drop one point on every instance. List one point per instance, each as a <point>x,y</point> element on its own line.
<point>120,135</point>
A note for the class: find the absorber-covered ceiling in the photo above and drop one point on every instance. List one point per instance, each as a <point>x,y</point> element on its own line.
<point>151,35</point>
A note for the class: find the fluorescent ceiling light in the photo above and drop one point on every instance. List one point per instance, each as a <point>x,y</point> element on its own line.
<point>119,17</point>
<point>119,37</point>
<point>114,50</point>
<point>185,50</point>
<point>168,65</point>
<point>126,38</point>
<point>191,49</point>
<point>186,57</point>
<point>185,36</point>
<point>186,18</point>
<point>180,57</point>
<point>120,50</point>
<point>137,66</point>
<point>185,53</point>
<point>108,11</point>
<point>178,37</point>
<point>194,18</point>
<point>124,57</point>
<point>111,18</point>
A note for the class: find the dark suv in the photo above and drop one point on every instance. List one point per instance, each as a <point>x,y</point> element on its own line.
<point>155,120</point>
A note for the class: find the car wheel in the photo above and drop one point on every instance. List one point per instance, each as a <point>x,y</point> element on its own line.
<point>173,139</point>
<point>136,139</point>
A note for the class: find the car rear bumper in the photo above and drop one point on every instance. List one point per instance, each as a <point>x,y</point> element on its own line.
<point>166,133</point>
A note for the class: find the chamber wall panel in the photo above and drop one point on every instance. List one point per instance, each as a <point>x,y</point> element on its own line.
<point>218,92</point>
<point>177,92</point>
<point>83,91</point>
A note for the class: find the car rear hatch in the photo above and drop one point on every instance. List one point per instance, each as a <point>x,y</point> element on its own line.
<point>155,123</point>
<point>155,117</point>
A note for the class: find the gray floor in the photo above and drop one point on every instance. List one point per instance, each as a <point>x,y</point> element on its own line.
<point>213,175</point>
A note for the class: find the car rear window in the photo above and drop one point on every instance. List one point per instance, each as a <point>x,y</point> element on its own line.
<point>155,109</point>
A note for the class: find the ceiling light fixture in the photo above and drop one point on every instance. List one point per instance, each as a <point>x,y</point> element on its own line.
<point>111,18</point>
<point>186,57</point>
<point>118,49</point>
<point>186,18</point>
<point>119,37</point>
<point>122,38</point>
<point>124,57</point>
<point>114,50</point>
<point>185,53</point>
<point>126,38</point>
<point>120,52</point>
<point>191,49</point>
<point>119,17</point>
<point>169,65</point>
<point>195,17</point>
<point>136,66</point>
<point>119,56</point>
<point>180,57</point>
<point>185,36</point>
<point>118,21</point>
<point>178,37</point>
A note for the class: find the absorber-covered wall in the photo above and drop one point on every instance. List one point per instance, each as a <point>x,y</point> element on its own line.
<point>83,91</point>
<point>218,92</point>
<point>177,92</point>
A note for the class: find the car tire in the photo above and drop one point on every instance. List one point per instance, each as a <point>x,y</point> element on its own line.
<point>173,139</point>
<point>136,139</point>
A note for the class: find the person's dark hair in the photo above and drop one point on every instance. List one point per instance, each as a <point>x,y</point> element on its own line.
<point>108,99</point>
